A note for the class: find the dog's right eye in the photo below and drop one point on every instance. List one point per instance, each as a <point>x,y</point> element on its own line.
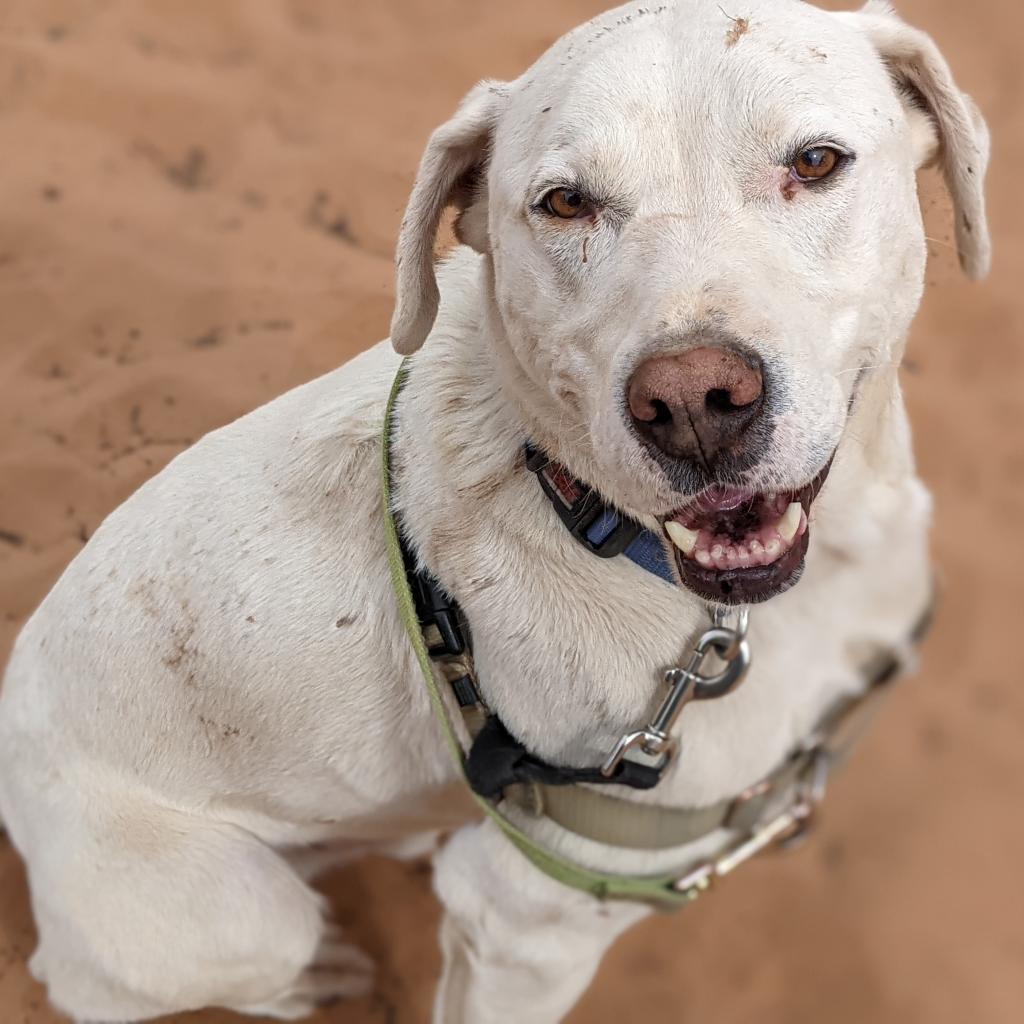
<point>816,163</point>
<point>567,203</point>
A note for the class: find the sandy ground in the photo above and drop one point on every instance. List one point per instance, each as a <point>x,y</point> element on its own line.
<point>198,203</point>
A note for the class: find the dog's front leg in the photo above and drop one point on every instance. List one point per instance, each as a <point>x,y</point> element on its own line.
<point>519,947</point>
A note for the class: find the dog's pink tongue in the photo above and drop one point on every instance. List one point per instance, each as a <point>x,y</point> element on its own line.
<point>721,499</point>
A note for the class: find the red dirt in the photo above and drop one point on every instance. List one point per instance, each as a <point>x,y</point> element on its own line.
<point>199,204</point>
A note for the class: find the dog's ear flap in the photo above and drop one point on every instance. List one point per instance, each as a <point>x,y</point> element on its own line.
<point>448,175</point>
<point>945,124</point>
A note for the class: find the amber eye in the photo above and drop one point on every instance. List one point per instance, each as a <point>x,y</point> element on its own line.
<point>566,203</point>
<point>816,163</point>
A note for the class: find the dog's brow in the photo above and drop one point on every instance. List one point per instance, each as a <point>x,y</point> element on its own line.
<point>805,138</point>
<point>590,175</point>
<point>546,180</point>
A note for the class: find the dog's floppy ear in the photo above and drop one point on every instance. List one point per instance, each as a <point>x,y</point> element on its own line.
<point>451,166</point>
<point>945,123</point>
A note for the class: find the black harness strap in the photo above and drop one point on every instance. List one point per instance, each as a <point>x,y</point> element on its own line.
<point>443,624</point>
<point>496,758</point>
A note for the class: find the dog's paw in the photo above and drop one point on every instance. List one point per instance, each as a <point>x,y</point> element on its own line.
<point>338,971</point>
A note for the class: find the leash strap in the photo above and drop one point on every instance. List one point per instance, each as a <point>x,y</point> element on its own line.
<point>775,812</point>
<point>660,891</point>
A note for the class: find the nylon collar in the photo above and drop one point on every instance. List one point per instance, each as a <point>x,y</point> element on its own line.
<point>601,528</point>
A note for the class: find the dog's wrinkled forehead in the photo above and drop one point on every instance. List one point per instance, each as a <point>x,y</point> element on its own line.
<point>640,77</point>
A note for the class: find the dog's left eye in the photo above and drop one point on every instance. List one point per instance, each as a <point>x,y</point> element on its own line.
<point>816,163</point>
<point>567,203</point>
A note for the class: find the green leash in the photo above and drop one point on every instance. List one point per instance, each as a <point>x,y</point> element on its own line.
<point>660,890</point>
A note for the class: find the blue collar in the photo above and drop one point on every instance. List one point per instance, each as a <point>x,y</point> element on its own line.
<point>599,527</point>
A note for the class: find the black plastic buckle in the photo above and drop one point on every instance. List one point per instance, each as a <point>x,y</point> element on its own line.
<point>498,760</point>
<point>581,515</point>
<point>435,608</point>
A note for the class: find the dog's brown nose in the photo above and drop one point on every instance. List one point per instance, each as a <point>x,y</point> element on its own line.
<point>696,405</point>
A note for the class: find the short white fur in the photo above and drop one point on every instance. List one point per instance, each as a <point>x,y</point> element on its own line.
<point>220,679</point>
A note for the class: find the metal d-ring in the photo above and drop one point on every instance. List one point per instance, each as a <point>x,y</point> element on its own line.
<point>731,649</point>
<point>720,618</point>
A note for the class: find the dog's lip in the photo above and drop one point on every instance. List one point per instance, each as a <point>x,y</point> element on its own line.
<point>753,584</point>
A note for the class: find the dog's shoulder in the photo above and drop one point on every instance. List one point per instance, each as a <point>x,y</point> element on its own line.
<point>308,459</point>
<point>249,566</point>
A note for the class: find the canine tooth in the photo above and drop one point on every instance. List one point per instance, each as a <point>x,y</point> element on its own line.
<point>683,538</point>
<point>790,521</point>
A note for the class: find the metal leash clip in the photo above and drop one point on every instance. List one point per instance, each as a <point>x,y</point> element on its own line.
<point>729,643</point>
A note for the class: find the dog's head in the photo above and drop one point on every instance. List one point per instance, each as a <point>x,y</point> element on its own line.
<point>700,232</point>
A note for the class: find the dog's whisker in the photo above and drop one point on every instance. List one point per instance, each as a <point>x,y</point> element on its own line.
<point>869,366</point>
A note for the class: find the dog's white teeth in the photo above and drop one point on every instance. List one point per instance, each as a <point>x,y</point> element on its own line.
<point>763,546</point>
<point>683,538</point>
<point>790,521</point>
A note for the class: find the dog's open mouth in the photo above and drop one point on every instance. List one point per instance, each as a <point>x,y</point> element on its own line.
<point>735,546</point>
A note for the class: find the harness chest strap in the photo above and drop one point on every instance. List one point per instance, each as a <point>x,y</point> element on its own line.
<point>789,793</point>
<point>616,822</point>
<point>659,891</point>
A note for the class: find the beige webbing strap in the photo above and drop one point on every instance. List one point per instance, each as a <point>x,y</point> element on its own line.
<point>616,822</point>
<point>608,819</point>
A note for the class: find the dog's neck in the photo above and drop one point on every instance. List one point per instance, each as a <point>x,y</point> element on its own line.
<point>569,646</point>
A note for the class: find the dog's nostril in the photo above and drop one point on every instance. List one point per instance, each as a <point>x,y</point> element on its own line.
<point>662,413</point>
<point>721,401</point>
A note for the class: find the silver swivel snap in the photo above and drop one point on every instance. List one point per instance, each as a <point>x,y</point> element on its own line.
<point>727,640</point>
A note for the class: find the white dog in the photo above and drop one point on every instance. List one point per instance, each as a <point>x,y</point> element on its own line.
<point>692,252</point>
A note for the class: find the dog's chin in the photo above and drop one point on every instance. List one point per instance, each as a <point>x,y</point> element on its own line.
<point>737,546</point>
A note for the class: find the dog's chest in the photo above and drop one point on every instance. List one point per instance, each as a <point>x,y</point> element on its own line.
<point>573,667</point>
